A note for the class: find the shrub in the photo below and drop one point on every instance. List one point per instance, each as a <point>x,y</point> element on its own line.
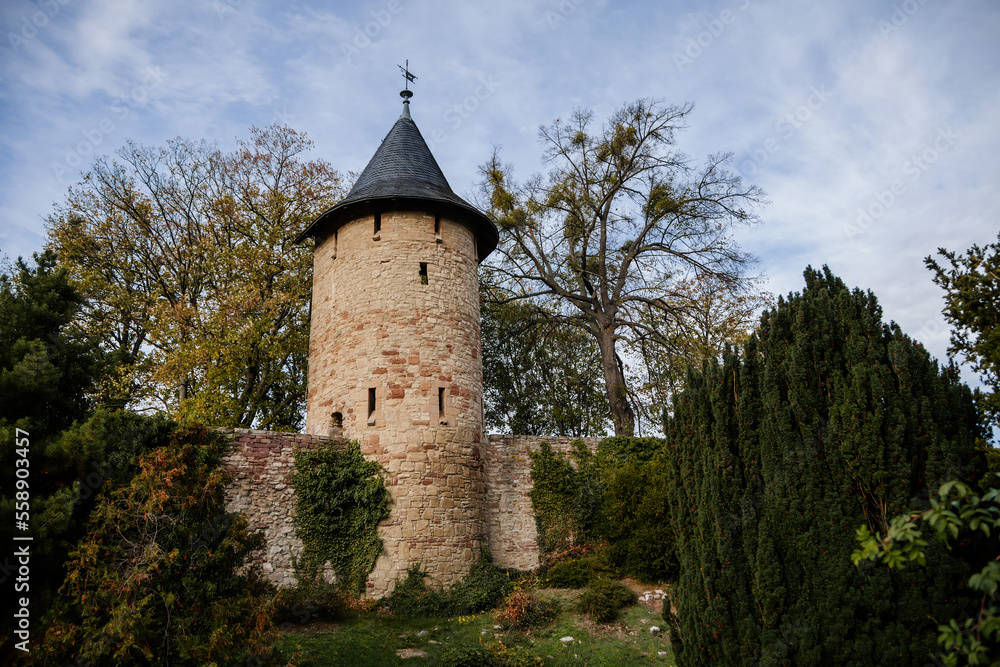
<point>522,610</point>
<point>412,597</point>
<point>162,574</point>
<point>574,574</point>
<point>578,572</point>
<point>309,599</point>
<point>482,589</point>
<point>507,655</point>
<point>602,600</point>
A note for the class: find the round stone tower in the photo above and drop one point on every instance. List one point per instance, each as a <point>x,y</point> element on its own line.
<point>394,351</point>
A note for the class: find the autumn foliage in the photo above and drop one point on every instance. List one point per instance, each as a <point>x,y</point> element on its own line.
<point>162,576</point>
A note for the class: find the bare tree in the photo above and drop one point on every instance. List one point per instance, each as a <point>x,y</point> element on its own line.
<point>621,220</point>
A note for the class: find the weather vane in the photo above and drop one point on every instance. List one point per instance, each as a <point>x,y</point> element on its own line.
<point>409,76</point>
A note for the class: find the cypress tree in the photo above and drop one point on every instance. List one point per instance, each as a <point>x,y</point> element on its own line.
<point>828,419</point>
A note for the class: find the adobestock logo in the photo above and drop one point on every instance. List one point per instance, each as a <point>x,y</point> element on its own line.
<point>94,137</point>
<point>914,168</point>
<point>713,29</point>
<point>363,35</point>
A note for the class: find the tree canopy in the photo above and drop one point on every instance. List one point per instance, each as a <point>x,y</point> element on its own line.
<point>972,307</point>
<point>540,377</point>
<point>184,255</point>
<point>826,419</point>
<point>621,219</point>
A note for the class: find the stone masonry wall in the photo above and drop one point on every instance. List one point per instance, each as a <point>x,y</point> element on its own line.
<point>394,363</point>
<point>513,538</point>
<point>261,463</point>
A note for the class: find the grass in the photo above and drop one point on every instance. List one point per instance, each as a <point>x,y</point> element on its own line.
<point>372,640</point>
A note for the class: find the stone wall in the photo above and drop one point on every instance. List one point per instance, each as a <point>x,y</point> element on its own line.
<point>512,536</point>
<point>394,363</point>
<point>261,463</point>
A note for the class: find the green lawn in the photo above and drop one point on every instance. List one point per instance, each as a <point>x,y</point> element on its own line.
<point>372,641</point>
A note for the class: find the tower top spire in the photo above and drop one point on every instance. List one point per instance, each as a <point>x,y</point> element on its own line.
<point>406,93</point>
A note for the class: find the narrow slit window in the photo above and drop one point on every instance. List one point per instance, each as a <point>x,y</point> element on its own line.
<point>437,228</point>
<point>335,244</point>
<point>371,403</point>
<point>423,273</point>
<point>378,224</point>
<point>441,402</point>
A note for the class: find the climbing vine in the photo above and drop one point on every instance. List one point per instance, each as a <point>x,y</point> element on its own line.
<point>340,498</point>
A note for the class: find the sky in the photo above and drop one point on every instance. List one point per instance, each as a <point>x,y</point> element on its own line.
<point>872,125</point>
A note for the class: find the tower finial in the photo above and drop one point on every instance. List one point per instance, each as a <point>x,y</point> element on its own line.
<point>406,93</point>
<point>408,75</point>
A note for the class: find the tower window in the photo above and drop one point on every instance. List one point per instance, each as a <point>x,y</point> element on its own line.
<point>334,244</point>
<point>441,416</point>
<point>423,273</point>
<point>337,425</point>
<point>437,229</point>
<point>371,405</point>
<point>378,224</point>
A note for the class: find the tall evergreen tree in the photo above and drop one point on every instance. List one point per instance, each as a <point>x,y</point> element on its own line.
<point>828,419</point>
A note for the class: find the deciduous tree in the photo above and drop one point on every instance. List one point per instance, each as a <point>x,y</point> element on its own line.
<point>185,256</point>
<point>540,377</point>
<point>620,219</point>
<point>972,307</point>
<point>714,317</point>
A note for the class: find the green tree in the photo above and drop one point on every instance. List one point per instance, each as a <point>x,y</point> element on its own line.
<point>616,495</point>
<point>829,418</point>
<point>162,576</point>
<point>958,510</point>
<point>635,512</point>
<point>972,307</point>
<point>47,373</point>
<point>185,256</point>
<point>540,377</point>
<point>47,368</point>
<point>620,219</point>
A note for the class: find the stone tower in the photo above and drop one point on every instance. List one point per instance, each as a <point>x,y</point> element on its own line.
<point>394,350</point>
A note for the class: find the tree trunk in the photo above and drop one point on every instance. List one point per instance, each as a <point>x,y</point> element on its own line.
<point>614,379</point>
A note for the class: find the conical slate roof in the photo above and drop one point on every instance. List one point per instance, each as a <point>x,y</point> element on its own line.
<point>403,171</point>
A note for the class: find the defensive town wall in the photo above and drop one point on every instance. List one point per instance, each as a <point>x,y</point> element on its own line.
<point>262,462</point>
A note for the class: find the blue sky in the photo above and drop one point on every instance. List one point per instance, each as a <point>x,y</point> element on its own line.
<point>873,126</point>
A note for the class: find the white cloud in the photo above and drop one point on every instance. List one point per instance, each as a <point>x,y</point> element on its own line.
<point>330,67</point>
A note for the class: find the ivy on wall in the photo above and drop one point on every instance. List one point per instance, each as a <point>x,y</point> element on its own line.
<point>340,498</point>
